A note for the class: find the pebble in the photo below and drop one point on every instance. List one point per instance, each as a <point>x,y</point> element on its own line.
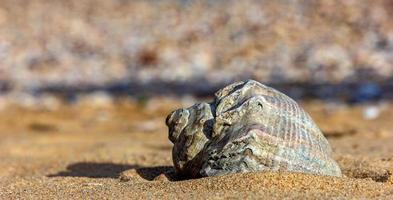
<point>371,112</point>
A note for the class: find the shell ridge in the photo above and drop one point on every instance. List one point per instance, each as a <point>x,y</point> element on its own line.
<point>293,133</point>
<point>228,89</point>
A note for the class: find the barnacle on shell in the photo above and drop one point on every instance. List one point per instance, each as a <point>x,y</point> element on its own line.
<point>248,127</point>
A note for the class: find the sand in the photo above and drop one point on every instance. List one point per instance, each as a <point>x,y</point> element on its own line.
<point>121,151</point>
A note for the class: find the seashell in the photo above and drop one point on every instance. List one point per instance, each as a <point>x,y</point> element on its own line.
<point>248,127</point>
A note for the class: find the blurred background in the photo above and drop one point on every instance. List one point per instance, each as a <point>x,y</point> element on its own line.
<point>325,49</point>
<point>86,85</point>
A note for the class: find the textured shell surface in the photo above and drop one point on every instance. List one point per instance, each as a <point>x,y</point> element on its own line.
<point>248,127</point>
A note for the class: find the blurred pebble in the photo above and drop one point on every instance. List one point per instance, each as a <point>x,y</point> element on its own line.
<point>97,99</point>
<point>149,126</point>
<point>371,112</point>
<point>49,102</point>
<point>368,92</point>
<point>24,100</point>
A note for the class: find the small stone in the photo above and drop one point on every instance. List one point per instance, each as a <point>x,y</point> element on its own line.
<point>371,112</point>
<point>129,175</point>
<point>161,178</point>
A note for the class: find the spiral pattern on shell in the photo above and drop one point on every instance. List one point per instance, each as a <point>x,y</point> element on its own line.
<point>249,127</point>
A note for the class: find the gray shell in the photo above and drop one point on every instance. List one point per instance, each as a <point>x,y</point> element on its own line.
<point>249,127</point>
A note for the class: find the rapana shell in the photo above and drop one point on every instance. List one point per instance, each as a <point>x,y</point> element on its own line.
<point>248,127</point>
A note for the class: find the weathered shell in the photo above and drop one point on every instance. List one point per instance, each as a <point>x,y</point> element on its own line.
<point>249,127</point>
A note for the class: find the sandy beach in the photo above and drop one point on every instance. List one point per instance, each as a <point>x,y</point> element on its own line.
<point>121,151</point>
<point>85,87</point>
